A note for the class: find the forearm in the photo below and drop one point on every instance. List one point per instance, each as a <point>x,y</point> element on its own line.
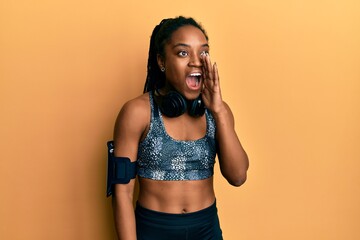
<point>232,157</point>
<point>124,218</point>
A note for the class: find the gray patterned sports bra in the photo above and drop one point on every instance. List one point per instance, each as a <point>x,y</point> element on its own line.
<point>160,157</point>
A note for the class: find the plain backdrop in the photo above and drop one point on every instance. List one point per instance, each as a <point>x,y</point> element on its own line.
<point>289,69</point>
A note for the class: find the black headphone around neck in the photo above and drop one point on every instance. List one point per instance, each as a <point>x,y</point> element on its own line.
<point>173,104</point>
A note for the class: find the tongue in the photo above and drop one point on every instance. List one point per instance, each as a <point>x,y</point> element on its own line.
<point>192,81</point>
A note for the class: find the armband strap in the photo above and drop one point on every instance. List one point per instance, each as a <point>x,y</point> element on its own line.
<point>120,170</point>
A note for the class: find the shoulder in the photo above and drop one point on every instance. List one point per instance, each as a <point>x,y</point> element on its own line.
<point>134,114</point>
<point>136,106</point>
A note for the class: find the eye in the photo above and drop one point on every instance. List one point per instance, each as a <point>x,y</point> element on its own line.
<point>183,53</point>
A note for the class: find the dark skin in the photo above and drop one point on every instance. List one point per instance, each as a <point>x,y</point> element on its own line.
<point>186,53</point>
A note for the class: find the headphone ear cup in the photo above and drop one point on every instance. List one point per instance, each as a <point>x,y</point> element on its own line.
<point>173,104</point>
<point>197,107</point>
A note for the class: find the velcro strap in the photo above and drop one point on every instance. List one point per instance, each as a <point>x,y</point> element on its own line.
<point>120,169</point>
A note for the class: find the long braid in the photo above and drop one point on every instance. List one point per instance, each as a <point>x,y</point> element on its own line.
<point>153,72</point>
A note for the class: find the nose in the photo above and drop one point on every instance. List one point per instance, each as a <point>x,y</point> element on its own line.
<point>195,60</point>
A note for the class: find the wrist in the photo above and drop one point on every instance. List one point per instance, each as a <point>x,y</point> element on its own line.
<point>219,109</point>
<point>222,115</point>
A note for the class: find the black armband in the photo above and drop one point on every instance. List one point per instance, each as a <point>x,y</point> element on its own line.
<point>120,170</point>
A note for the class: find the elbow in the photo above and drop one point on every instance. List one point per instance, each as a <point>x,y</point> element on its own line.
<point>236,175</point>
<point>237,180</point>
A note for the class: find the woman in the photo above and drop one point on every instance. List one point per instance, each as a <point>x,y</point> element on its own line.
<point>173,131</point>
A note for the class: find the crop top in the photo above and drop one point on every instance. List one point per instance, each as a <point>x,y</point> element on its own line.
<point>160,157</point>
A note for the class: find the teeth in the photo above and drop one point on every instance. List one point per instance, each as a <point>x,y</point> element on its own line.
<point>198,76</point>
<point>195,74</point>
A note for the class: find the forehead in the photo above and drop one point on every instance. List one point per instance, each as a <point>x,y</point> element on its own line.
<point>189,35</point>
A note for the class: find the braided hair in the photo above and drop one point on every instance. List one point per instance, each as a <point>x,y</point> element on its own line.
<point>161,35</point>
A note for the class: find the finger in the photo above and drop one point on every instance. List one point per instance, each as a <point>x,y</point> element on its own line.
<point>216,75</point>
<point>209,67</point>
<point>205,67</point>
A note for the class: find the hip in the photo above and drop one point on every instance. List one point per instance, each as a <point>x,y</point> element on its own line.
<point>203,224</point>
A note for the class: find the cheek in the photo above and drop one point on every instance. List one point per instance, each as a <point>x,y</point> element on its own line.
<point>176,68</point>
<point>173,76</point>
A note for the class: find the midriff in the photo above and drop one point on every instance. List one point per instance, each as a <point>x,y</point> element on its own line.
<point>176,196</point>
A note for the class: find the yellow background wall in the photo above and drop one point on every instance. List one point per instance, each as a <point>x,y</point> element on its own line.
<point>289,69</point>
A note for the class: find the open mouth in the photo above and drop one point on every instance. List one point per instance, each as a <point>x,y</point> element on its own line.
<point>194,80</point>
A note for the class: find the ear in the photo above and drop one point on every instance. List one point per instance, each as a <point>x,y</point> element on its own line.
<point>160,61</point>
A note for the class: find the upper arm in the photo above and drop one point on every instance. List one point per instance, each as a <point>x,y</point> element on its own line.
<point>130,125</point>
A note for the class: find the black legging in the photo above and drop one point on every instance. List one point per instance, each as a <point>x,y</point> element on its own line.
<point>200,225</point>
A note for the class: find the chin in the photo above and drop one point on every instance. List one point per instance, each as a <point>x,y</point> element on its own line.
<point>192,96</point>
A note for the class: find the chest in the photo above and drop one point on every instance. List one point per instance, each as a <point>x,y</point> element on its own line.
<point>185,127</point>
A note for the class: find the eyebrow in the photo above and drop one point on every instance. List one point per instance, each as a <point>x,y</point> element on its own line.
<point>187,45</point>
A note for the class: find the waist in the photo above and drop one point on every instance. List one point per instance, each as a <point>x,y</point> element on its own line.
<point>176,196</point>
<point>177,219</point>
